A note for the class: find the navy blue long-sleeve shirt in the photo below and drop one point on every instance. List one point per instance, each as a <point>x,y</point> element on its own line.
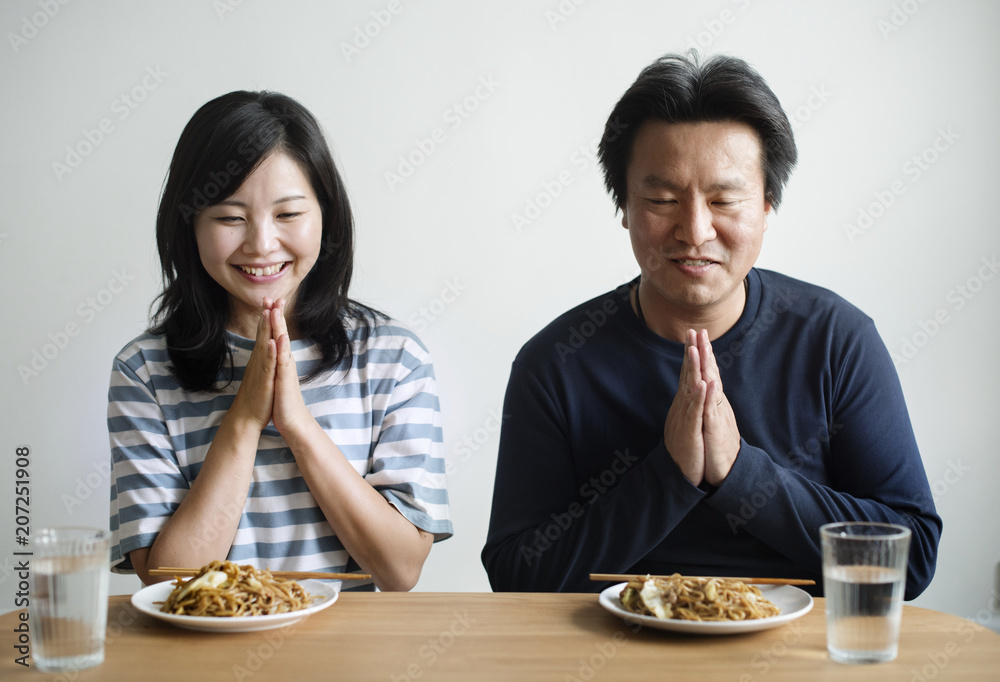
<point>584,482</point>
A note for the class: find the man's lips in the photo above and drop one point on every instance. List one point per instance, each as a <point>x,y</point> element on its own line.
<point>693,261</point>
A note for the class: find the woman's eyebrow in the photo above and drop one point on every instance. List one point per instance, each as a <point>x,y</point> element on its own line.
<point>243,204</point>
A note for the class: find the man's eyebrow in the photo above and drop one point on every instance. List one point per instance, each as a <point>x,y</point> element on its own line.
<point>659,182</point>
<point>243,204</point>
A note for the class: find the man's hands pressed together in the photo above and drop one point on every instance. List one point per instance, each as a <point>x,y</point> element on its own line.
<point>700,432</point>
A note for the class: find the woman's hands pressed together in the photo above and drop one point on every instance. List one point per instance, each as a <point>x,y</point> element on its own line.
<point>270,389</point>
<point>382,541</point>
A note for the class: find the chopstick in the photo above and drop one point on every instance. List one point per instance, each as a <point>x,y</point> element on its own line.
<point>615,577</point>
<point>284,575</point>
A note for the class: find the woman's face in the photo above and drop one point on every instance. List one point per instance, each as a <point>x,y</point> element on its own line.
<point>262,240</point>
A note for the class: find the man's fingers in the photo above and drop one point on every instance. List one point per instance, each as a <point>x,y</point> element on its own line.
<point>683,431</point>
<point>709,367</point>
<point>697,407</point>
<point>691,368</point>
<point>722,436</point>
<point>693,359</point>
<point>693,411</point>
<point>714,396</point>
<point>705,348</point>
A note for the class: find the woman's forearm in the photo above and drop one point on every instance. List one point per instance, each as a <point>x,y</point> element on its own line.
<point>382,541</point>
<point>203,526</point>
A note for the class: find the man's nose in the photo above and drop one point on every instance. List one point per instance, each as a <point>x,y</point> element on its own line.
<point>694,224</point>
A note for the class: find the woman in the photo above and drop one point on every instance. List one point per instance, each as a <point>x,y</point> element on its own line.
<point>265,417</point>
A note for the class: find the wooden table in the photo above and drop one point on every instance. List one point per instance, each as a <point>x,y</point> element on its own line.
<point>509,637</point>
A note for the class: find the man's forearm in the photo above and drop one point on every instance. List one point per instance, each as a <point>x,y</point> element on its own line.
<point>605,530</point>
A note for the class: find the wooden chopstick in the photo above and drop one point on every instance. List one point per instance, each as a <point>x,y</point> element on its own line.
<point>615,577</point>
<point>284,575</point>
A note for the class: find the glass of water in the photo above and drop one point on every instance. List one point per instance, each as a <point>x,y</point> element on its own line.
<point>864,575</point>
<point>68,607</point>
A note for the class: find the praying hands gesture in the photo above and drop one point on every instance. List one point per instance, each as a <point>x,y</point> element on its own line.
<point>270,388</point>
<point>382,541</point>
<point>700,432</point>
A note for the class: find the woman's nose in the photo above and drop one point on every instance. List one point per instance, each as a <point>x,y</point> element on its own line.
<point>261,237</point>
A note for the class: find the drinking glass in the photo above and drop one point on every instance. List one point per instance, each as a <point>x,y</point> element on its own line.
<point>864,575</point>
<point>68,607</point>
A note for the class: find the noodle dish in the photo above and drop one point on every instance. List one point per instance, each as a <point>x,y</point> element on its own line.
<point>224,589</point>
<point>699,599</point>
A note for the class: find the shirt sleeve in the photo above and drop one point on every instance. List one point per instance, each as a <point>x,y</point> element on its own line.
<point>874,469</point>
<point>408,466</point>
<point>547,531</point>
<point>147,484</point>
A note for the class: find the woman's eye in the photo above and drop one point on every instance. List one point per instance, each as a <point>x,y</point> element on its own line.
<point>229,219</point>
<point>288,216</point>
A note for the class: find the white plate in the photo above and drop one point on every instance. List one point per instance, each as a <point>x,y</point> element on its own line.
<point>793,602</point>
<point>325,594</point>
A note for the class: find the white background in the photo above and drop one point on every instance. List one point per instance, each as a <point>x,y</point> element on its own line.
<point>869,84</point>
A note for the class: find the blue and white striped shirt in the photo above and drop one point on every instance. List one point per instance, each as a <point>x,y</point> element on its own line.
<point>382,412</point>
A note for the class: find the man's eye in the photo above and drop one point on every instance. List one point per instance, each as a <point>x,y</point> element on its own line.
<point>662,202</point>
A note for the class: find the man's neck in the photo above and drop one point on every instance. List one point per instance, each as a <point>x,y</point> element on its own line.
<point>673,325</point>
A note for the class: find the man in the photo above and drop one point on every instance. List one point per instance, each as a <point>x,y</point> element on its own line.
<point>709,416</point>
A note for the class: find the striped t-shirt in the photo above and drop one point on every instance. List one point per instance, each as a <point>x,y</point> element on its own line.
<point>382,412</point>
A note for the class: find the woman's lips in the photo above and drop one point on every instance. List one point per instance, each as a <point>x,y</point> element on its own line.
<point>261,273</point>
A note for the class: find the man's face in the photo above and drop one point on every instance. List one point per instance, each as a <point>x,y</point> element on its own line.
<point>696,215</point>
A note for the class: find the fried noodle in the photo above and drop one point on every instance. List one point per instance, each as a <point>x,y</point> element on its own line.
<point>224,589</point>
<point>710,599</point>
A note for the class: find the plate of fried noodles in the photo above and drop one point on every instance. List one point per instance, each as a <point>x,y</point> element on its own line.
<point>709,606</point>
<point>226,597</point>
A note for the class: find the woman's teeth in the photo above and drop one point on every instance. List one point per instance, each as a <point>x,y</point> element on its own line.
<point>262,272</point>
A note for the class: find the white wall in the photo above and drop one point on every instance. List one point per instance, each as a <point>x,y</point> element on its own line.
<point>866,100</point>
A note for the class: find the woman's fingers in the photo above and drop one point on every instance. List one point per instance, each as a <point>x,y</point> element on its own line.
<point>255,397</point>
<point>290,411</point>
<point>279,326</point>
<point>263,327</point>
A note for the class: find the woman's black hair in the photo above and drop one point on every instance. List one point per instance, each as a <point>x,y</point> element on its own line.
<point>222,144</point>
<point>678,89</point>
